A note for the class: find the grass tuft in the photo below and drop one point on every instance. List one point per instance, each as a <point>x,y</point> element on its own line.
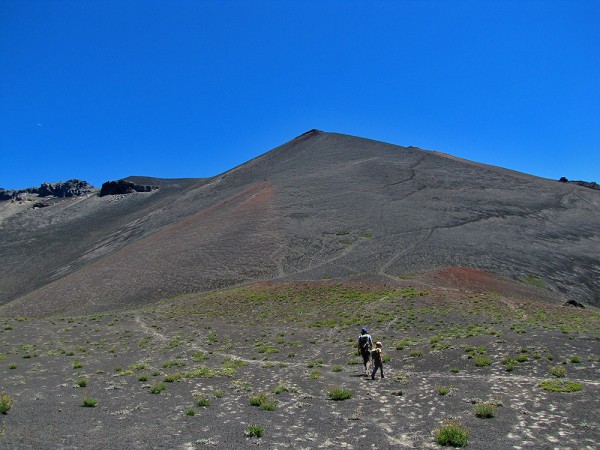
<point>485,410</point>
<point>6,402</point>
<point>254,431</point>
<point>452,433</point>
<point>339,393</point>
<point>561,386</point>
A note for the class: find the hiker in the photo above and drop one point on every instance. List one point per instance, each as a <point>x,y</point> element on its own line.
<point>377,357</point>
<point>365,345</point>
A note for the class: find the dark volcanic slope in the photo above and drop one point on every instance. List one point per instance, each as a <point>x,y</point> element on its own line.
<point>324,205</point>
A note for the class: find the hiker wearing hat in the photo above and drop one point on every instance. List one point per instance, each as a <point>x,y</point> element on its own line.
<point>377,357</point>
<point>365,345</point>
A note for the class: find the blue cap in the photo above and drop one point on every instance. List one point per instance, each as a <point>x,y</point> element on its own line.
<point>364,329</point>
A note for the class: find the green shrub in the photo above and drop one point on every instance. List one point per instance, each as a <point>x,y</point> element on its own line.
<point>190,412</point>
<point>314,374</point>
<point>202,401</point>
<point>522,358</point>
<point>254,431</point>
<point>264,401</point>
<point>81,382</point>
<point>560,386</point>
<point>200,356</point>
<point>401,345</point>
<point>143,377</point>
<point>77,364</point>
<point>558,371</point>
<point>443,390</point>
<point>339,393</point>
<point>157,388</point>
<point>575,359</point>
<point>336,368</point>
<point>452,433</point>
<point>482,361</point>
<point>90,402</point>
<point>485,410</point>
<point>173,377</point>
<point>280,388</point>
<point>6,402</point>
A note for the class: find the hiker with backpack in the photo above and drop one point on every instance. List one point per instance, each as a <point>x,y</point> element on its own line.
<point>365,345</point>
<point>377,357</point>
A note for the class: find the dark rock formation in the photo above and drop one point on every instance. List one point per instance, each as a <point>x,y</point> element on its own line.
<point>587,184</point>
<point>574,304</point>
<point>70,188</point>
<point>123,187</point>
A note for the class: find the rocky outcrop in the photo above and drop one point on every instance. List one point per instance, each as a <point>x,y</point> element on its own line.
<point>574,304</point>
<point>70,188</point>
<point>587,184</point>
<point>123,187</point>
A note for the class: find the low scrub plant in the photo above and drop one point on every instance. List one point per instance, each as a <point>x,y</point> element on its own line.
<point>190,412</point>
<point>482,361</point>
<point>561,386</point>
<point>89,402</point>
<point>173,377</point>
<point>82,382</point>
<point>314,374</point>
<point>203,401</point>
<point>485,410</point>
<point>157,388</point>
<point>443,390</point>
<point>264,401</point>
<point>558,371</point>
<point>280,388</point>
<point>6,402</point>
<point>254,431</point>
<point>339,393</point>
<point>452,433</point>
<point>401,345</point>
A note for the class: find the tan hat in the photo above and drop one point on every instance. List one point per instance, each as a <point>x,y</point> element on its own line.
<point>378,344</point>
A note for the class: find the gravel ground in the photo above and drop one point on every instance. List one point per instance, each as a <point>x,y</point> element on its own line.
<point>295,343</point>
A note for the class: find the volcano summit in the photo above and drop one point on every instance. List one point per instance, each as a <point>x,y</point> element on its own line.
<point>323,206</point>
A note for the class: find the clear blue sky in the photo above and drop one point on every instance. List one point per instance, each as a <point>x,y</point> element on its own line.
<point>99,90</point>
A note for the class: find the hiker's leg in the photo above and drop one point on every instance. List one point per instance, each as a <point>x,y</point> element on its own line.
<point>374,371</point>
<point>381,367</point>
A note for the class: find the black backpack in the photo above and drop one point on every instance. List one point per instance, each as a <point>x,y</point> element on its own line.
<point>364,343</point>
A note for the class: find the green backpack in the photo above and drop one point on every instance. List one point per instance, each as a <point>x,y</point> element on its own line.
<point>375,355</point>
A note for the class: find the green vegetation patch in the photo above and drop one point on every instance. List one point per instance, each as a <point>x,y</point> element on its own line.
<point>561,386</point>
<point>452,433</point>
<point>6,402</point>
<point>338,393</point>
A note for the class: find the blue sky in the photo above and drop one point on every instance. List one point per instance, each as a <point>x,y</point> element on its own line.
<point>99,90</point>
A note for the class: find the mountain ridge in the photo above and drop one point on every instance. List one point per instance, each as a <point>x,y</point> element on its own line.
<point>321,206</point>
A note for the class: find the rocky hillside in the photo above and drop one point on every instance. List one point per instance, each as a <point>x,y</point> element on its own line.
<point>323,206</point>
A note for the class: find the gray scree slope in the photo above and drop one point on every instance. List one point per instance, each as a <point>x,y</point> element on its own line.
<point>322,206</point>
